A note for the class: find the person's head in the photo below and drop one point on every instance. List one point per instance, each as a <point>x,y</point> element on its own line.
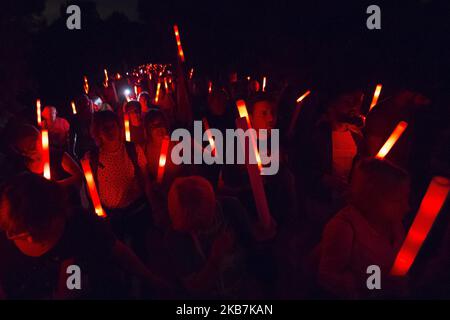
<point>25,141</point>
<point>49,114</point>
<point>145,100</point>
<point>156,126</point>
<point>192,204</point>
<point>106,128</point>
<point>97,103</point>
<point>31,208</point>
<point>217,101</point>
<point>380,189</point>
<point>253,87</point>
<point>84,106</point>
<point>133,109</point>
<point>345,107</point>
<point>262,112</point>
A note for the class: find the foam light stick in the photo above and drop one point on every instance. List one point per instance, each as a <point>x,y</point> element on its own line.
<point>92,188</point>
<point>256,182</point>
<point>243,113</point>
<point>209,86</point>
<point>126,123</point>
<point>376,95</point>
<point>180,48</point>
<point>210,138</point>
<point>74,108</point>
<point>45,154</point>
<point>297,112</point>
<point>264,84</point>
<point>395,135</point>
<point>105,82</point>
<point>429,208</point>
<point>38,112</point>
<point>166,85</point>
<point>191,73</point>
<point>135,91</point>
<point>162,159</point>
<point>158,88</point>
<point>86,85</point>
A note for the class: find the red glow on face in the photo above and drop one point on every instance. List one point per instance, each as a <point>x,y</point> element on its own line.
<point>376,95</point>
<point>431,204</point>
<point>45,154</point>
<point>38,112</point>
<point>92,188</point>
<point>180,48</point>
<point>398,131</point>
<point>162,159</point>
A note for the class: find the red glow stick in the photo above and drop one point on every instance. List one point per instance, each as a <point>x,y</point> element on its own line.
<point>395,135</point>
<point>429,208</point>
<point>105,82</point>
<point>166,85</point>
<point>297,112</point>
<point>191,73</point>
<point>180,48</point>
<point>243,113</point>
<point>85,85</point>
<point>256,182</point>
<point>376,95</point>
<point>126,122</point>
<point>74,108</point>
<point>209,86</point>
<point>135,91</point>
<point>92,188</point>
<point>38,112</point>
<point>158,88</point>
<point>264,84</point>
<point>210,138</point>
<point>45,153</point>
<point>162,159</point>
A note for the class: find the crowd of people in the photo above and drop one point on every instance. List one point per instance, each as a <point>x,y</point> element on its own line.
<point>197,234</point>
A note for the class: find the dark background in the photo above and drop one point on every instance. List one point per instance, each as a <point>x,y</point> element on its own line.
<point>307,42</point>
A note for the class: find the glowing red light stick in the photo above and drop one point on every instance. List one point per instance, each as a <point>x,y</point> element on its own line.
<point>162,159</point>
<point>376,95</point>
<point>135,91</point>
<point>264,84</point>
<point>256,182</point>
<point>38,112</point>
<point>429,208</point>
<point>85,85</point>
<point>191,73</point>
<point>105,82</point>
<point>209,86</point>
<point>45,153</point>
<point>210,138</point>
<point>166,85</point>
<point>297,112</point>
<point>395,135</point>
<point>180,48</point>
<point>74,108</point>
<point>92,188</point>
<point>158,88</point>
<point>126,122</point>
<point>118,76</point>
<point>243,113</point>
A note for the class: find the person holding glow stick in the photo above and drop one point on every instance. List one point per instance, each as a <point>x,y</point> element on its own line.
<point>368,231</point>
<point>45,228</point>
<point>135,123</point>
<point>121,175</point>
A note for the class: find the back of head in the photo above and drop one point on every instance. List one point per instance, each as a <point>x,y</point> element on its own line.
<point>376,183</point>
<point>192,204</point>
<point>30,203</point>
